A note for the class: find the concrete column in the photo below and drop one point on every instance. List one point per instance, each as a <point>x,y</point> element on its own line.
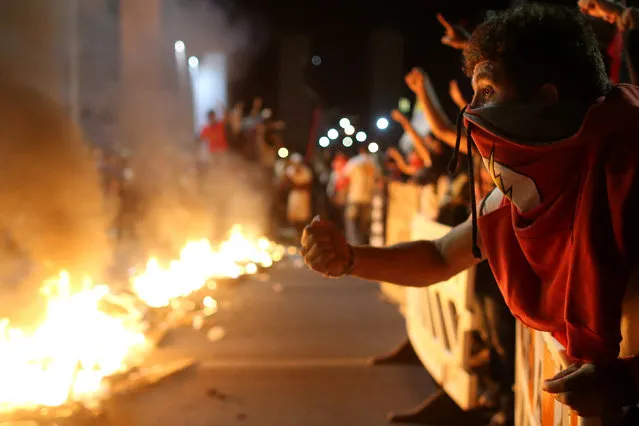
<point>32,43</point>
<point>73,41</point>
<point>295,106</point>
<point>152,122</point>
<point>152,108</point>
<point>387,68</point>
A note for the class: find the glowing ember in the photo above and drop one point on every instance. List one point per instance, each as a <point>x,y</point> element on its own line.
<point>69,354</point>
<point>199,263</point>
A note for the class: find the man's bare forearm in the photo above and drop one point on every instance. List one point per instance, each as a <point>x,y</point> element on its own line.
<point>441,127</point>
<point>411,264</point>
<point>419,143</point>
<point>433,108</point>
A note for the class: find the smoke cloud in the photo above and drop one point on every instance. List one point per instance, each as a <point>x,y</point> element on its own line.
<point>52,210</point>
<point>176,203</point>
<point>51,207</point>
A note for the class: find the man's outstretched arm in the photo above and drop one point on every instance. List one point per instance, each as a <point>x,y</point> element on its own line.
<point>417,263</point>
<point>411,264</point>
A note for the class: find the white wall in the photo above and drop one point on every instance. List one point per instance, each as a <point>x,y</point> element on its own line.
<point>210,86</point>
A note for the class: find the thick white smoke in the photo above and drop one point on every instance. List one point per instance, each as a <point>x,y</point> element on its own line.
<point>52,211</point>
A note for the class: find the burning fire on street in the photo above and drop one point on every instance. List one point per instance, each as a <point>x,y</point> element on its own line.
<point>87,337</point>
<point>199,263</point>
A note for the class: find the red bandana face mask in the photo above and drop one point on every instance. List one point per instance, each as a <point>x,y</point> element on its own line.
<point>533,167</point>
<point>517,145</point>
<point>562,249</point>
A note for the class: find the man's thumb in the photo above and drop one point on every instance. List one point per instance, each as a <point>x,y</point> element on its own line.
<point>555,385</point>
<point>561,381</point>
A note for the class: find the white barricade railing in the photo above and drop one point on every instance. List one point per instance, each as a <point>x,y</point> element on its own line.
<point>440,323</point>
<point>402,202</point>
<point>539,357</point>
<point>378,220</point>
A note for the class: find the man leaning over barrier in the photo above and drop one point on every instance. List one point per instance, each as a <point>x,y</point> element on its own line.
<point>560,233</point>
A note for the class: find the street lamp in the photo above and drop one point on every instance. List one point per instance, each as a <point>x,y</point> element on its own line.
<point>382,123</point>
<point>360,136</point>
<point>194,62</point>
<point>349,130</point>
<point>347,142</point>
<point>180,46</point>
<point>333,134</point>
<point>344,123</point>
<point>324,141</point>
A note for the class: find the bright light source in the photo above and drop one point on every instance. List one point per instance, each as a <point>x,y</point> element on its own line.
<point>194,62</point>
<point>282,152</point>
<point>344,123</point>
<point>333,134</point>
<point>373,147</point>
<point>316,60</point>
<point>360,136</point>
<point>349,130</point>
<point>347,142</point>
<point>324,141</point>
<point>179,46</point>
<point>382,123</point>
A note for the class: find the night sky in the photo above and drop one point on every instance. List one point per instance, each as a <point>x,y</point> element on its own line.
<point>339,31</point>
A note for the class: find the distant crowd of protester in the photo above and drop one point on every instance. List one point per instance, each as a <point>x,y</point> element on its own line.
<point>450,198</point>
<point>342,188</point>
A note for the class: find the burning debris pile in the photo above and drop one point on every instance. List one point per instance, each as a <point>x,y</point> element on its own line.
<point>91,343</point>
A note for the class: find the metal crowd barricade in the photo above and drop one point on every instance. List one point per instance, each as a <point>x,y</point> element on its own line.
<point>378,219</point>
<point>402,201</point>
<point>439,319</point>
<point>538,357</point>
<point>440,323</point>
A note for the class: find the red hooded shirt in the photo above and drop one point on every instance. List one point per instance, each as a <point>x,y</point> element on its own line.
<point>563,242</point>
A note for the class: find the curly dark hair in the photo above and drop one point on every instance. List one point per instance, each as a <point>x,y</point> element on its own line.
<point>537,44</point>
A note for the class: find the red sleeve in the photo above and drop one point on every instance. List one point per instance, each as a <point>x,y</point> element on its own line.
<point>204,133</point>
<point>605,242</point>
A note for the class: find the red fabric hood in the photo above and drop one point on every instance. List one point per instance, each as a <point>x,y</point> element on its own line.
<point>563,243</point>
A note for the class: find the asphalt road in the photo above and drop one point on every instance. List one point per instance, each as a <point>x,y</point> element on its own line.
<point>289,349</point>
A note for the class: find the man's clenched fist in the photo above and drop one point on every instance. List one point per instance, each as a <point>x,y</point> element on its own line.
<point>325,249</point>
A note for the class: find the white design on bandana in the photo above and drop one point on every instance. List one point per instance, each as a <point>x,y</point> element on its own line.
<point>520,189</point>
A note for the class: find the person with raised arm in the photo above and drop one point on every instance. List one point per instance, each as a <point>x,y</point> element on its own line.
<point>455,36</point>
<point>560,231</point>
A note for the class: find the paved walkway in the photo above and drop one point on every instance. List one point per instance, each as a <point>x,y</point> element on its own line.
<point>292,351</point>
